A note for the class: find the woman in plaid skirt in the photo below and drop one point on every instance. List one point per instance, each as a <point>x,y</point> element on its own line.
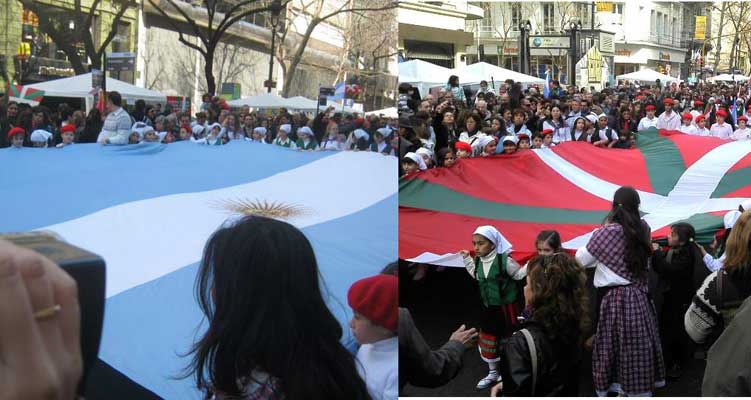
<point>627,355</point>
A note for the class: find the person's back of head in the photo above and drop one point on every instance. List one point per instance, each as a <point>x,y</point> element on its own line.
<point>625,212</point>
<point>738,250</point>
<point>258,285</point>
<point>115,98</point>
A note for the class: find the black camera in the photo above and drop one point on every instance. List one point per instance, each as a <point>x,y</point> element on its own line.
<point>89,272</point>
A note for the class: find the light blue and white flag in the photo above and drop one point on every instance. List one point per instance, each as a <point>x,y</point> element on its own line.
<point>149,209</point>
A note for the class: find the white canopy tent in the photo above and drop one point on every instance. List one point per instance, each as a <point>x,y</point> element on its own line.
<point>729,78</point>
<point>390,112</point>
<point>647,75</point>
<point>301,103</point>
<point>423,75</point>
<point>79,86</point>
<point>474,73</point>
<point>264,100</point>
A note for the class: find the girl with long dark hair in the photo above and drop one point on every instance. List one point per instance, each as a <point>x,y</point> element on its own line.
<point>627,354</point>
<point>557,124</point>
<point>556,300</point>
<point>270,334</point>
<point>92,126</point>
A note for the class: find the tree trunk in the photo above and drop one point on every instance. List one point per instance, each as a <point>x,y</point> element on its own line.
<point>719,37</point>
<point>208,70</point>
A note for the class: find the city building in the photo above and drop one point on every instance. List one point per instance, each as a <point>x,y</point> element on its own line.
<point>724,54</point>
<point>627,46</point>
<point>435,31</point>
<point>29,54</point>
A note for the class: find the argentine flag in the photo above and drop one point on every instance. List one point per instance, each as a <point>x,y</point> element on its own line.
<point>148,210</point>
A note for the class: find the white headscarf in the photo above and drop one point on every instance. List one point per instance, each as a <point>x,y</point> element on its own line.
<point>286,128</point>
<point>418,159</point>
<point>305,130</point>
<point>489,232</point>
<point>746,204</point>
<point>483,141</point>
<point>731,218</point>
<point>509,139</point>
<point>360,134</point>
<point>40,135</point>
<point>386,132</point>
<point>423,151</point>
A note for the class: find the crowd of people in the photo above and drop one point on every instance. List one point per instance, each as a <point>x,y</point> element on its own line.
<point>640,307</point>
<point>457,124</point>
<point>215,124</point>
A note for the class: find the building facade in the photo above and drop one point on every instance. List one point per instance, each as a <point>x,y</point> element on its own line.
<point>29,55</point>
<point>663,44</point>
<point>435,31</point>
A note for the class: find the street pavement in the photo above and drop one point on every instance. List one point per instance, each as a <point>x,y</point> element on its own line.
<point>444,300</point>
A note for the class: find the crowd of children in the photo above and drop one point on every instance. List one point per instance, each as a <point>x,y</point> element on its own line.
<point>216,124</point>
<point>510,119</point>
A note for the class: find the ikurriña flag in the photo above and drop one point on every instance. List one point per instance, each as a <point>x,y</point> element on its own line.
<point>570,188</point>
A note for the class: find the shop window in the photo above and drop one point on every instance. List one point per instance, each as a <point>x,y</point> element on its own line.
<point>41,45</point>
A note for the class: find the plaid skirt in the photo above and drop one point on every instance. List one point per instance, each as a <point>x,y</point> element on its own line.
<point>627,355</point>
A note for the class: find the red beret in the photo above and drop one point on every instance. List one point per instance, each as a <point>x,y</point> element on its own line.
<point>463,146</point>
<point>668,101</point>
<point>68,128</point>
<point>376,298</point>
<point>547,132</point>
<point>186,127</point>
<point>522,135</point>
<point>650,107</point>
<point>699,118</point>
<point>721,113</point>
<point>16,131</point>
<point>687,116</point>
<point>698,103</point>
<point>359,121</point>
<point>742,118</point>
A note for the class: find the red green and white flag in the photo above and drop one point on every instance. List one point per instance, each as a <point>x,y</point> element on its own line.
<point>25,94</point>
<point>570,188</point>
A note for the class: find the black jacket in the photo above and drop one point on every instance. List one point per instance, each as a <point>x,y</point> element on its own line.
<point>420,366</point>
<point>557,365</point>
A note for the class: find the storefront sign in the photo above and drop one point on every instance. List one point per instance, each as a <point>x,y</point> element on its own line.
<point>594,65</point>
<point>605,6</point>
<point>550,42</point>
<point>701,27</point>
<point>510,51</point>
<point>664,56</point>
<point>623,52</point>
<point>121,62</point>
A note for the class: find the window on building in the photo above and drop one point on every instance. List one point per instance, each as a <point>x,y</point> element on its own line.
<point>42,45</point>
<point>676,39</point>
<point>665,28</point>
<point>653,23</point>
<point>516,16</point>
<point>548,17</point>
<point>121,41</point>
<point>618,9</point>
<point>659,24</point>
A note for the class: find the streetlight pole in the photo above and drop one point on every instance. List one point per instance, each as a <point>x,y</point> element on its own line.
<point>524,28</point>
<point>573,28</point>
<point>275,9</point>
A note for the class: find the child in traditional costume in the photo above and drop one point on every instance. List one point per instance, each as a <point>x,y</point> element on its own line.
<point>536,141</point>
<point>258,135</point>
<point>463,150</point>
<point>412,163</point>
<point>445,157</point>
<point>523,141</point>
<point>547,139</point>
<point>67,133</point>
<point>701,126</point>
<point>40,138</point>
<point>509,144</point>
<point>305,139</point>
<point>488,145</point>
<point>282,137</point>
<point>686,126</point>
<point>379,144</point>
<point>496,274</point>
<point>426,155</point>
<point>374,302</point>
<point>16,135</point>
<point>742,133</point>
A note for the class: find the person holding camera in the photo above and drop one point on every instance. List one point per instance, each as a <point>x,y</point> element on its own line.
<point>40,344</point>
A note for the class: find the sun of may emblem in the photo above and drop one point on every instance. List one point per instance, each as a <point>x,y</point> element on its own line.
<point>264,208</point>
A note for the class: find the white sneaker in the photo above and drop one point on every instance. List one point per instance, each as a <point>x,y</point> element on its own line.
<point>490,380</point>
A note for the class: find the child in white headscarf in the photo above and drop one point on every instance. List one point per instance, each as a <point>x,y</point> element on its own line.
<point>40,138</point>
<point>412,163</point>
<point>496,274</point>
<point>282,137</point>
